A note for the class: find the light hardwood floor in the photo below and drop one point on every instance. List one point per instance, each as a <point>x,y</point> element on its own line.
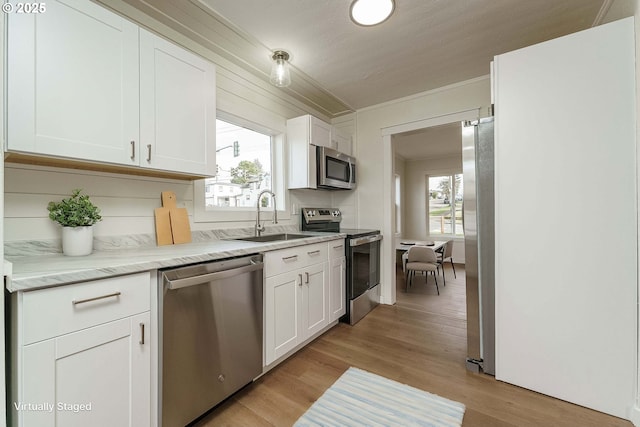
<point>420,341</point>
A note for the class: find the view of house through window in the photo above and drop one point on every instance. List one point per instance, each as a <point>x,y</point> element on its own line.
<point>444,197</point>
<point>243,164</point>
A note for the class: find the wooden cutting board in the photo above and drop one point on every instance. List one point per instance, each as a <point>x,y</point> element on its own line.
<point>163,227</point>
<point>180,228</point>
<point>164,236</point>
<point>172,223</point>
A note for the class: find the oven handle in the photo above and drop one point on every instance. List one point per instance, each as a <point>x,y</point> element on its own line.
<point>364,240</point>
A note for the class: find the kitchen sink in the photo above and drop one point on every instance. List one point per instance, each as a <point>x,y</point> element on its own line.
<point>273,237</point>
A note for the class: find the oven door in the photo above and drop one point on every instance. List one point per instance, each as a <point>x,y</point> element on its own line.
<point>335,169</point>
<point>364,268</point>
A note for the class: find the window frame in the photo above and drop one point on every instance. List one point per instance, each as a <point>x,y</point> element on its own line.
<point>203,214</point>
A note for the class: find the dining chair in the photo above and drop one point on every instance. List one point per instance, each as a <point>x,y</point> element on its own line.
<point>421,258</point>
<point>446,255</point>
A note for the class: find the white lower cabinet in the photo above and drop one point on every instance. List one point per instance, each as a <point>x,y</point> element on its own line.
<point>304,294</point>
<point>98,375</point>
<point>296,308</point>
<point>337,280</point>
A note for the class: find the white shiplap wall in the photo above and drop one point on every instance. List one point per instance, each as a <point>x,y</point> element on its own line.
<point>127,202</point>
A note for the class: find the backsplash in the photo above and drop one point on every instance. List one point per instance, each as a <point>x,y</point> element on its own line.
<point>127,204</point>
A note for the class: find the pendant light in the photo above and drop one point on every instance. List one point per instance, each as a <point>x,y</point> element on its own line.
<point>371,12</point>
<point>280,75</point>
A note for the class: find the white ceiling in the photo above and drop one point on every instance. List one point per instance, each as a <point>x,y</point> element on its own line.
<point>425,44</point>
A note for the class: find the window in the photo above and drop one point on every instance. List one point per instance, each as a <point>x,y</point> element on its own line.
<point>243,165</point>
<point>250,157</point>
<point>398,204</point>
<point>445,205</point>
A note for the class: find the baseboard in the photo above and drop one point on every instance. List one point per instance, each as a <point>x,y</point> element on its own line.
<point>634,417</point>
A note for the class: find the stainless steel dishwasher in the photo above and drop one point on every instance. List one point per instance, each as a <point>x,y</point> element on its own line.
<point>210,329</point>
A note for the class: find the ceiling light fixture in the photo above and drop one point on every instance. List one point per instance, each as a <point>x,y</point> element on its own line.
<point>280,75</point>
<point>371,12</point>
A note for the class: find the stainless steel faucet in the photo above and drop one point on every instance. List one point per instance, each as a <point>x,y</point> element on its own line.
<point>259,227</point>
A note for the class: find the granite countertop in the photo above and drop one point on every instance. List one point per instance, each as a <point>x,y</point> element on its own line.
<point>36,271</point>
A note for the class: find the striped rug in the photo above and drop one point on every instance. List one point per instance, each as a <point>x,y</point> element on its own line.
<point>360,398</point>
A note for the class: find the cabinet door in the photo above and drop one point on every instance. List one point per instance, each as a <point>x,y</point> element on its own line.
<point>320,133</point>
<point>105,368</point>
<point>282,300</point>
<point>315,299</point>
<point>340,141</point>
<point>177,108</point>
<point>337,289</point>
<point>73,83</point>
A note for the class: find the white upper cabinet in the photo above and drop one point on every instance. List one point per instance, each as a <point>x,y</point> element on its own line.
<point>304,134</point>
<point>87,84</point>
<point>73,83</point>
<point>177,108</point>
<point>340,141</point>
<point>319,132</point>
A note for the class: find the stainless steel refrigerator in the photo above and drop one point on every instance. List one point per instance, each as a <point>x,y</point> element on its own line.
<point>478,223</point>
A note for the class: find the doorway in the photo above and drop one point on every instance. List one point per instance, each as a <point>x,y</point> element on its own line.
<point>389,167</point>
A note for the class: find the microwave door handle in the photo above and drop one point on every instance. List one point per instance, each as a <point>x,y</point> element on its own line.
<point>350,172</point>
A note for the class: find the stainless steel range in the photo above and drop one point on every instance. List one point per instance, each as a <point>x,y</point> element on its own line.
<point>363,260</point>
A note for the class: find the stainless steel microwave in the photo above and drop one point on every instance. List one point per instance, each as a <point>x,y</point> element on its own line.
<point>336,170</point>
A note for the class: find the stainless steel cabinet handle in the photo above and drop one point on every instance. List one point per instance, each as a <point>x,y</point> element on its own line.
<point>290,258</point>
<point>300,276</point>
<point>338,247</point>
<point>133,150</point>
<point>148,152</point>
<point>312,253</point>
<point>307,274</point>
<point>82,301</point>
<point>142,333</point>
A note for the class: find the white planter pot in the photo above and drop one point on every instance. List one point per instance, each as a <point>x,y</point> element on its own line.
<point>77,241</point>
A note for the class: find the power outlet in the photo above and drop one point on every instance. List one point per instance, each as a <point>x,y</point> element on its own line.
<point>294,208</point>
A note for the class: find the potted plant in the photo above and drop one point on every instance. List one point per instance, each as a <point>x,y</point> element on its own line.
<point>76,215</point>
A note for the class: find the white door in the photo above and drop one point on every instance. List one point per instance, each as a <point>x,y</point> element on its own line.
<point>282,301</point>
<point>177,108</point>
<point>97,376</point>
<point>337,280</point>
<point>315,299</point>
<point>73,83</point>
<point>566,224</point>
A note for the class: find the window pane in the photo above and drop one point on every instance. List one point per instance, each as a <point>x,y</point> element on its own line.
<point>459,187</point>
<point>243,163</point>
<point>439,196</point>
<point>398,201</point>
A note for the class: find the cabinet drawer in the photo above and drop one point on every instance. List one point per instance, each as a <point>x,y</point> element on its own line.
<point>336,248</point>
<point>48,313</point>
<point>277,262</point>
